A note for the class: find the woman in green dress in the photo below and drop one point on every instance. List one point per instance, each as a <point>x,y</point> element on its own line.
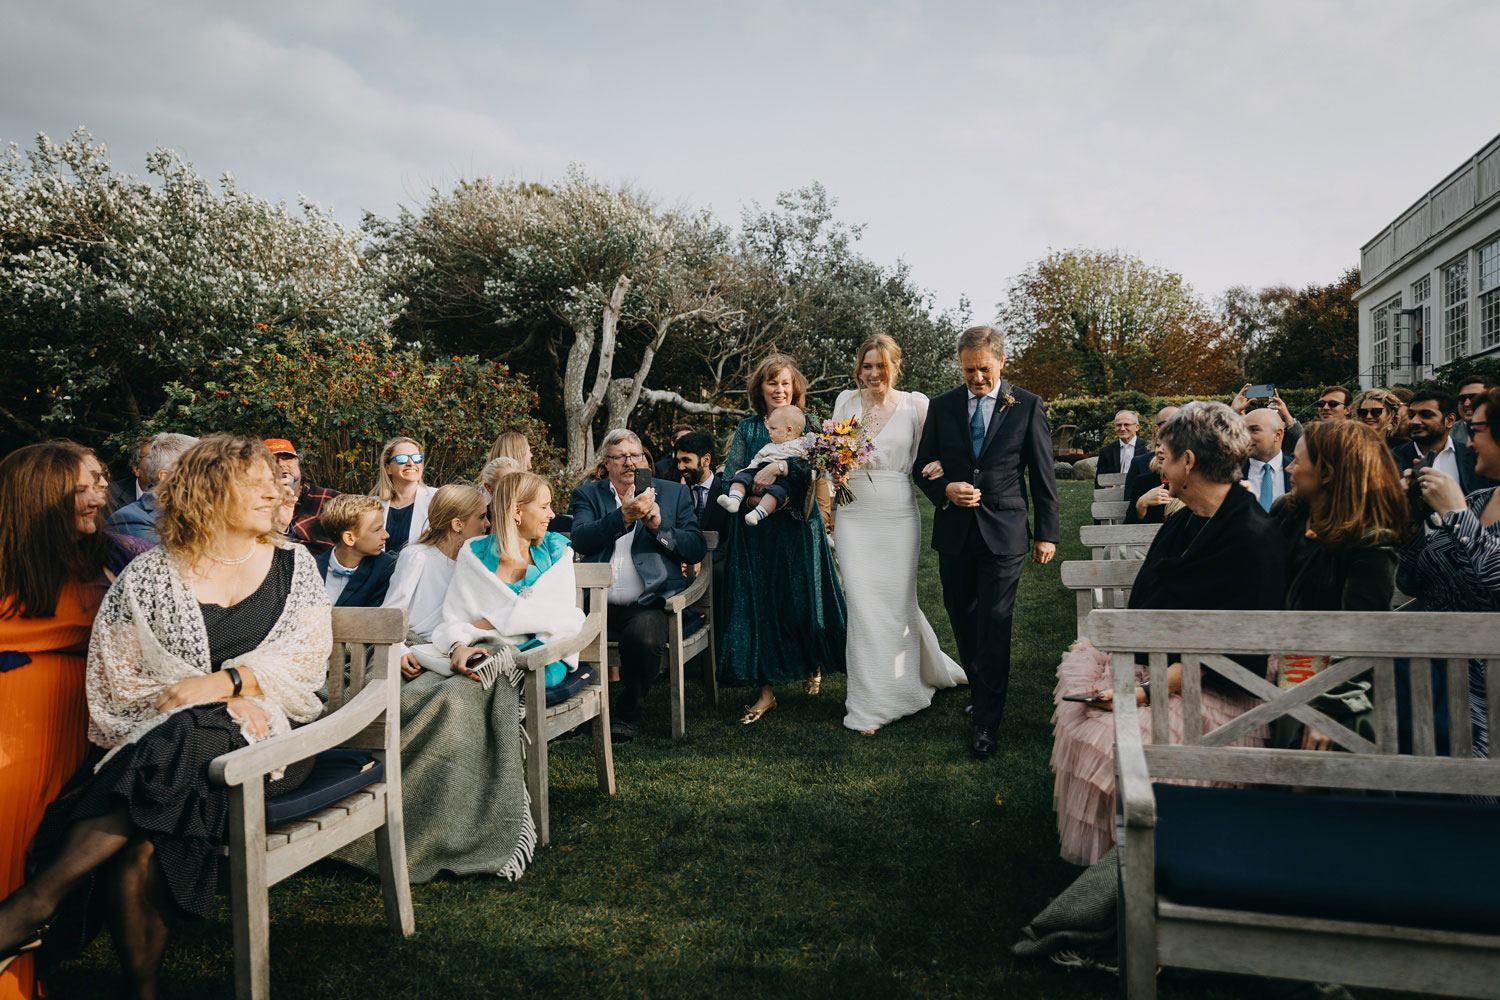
<point>783,609</point>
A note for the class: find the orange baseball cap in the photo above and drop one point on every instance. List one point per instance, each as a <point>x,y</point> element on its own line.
<point>279,446</point>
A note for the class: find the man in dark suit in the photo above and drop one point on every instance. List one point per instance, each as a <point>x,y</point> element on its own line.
<point>129,489</point>
<point>1118,454</point>
<point>1140,480</point>
<point>647,538</point>
<point>695,469</point>
<point>666,466</point>
<point>357,570</point>
<point>991,439</point>
<point>1430,420</point>
<point>1265,469</point>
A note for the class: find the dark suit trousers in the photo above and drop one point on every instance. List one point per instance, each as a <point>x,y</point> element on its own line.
<point>979,592</point>
<point>642,635</point>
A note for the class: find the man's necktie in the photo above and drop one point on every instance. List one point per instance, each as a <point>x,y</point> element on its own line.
<point>700,499</point>
<point>976,425</point>
<point>337,568</point>
<point>1266,488</point>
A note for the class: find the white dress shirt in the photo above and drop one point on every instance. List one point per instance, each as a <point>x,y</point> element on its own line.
<point>1127,453</point>
<point>1447,461</point>
<point>628,586</point>
<point>1278,481</point>
<point>988,402</point>
<point>336,582</point>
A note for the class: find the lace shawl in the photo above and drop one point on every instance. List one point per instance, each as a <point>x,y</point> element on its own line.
<point>149,634</point>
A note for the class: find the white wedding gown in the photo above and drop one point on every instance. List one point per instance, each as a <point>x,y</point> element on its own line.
<point>893,657</point>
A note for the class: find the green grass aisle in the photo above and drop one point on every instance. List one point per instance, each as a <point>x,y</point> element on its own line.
<point>787,859</point>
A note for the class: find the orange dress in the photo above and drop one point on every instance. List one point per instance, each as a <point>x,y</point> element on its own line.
<point>43,734</point>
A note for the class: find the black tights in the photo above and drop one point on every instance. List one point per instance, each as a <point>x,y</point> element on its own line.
<point>140,905</point>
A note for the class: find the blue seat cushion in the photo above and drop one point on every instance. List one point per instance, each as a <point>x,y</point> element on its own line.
<point>574,682</point>
<point>1412,862</point>
<point>692,621</point>
<point>335,774</point>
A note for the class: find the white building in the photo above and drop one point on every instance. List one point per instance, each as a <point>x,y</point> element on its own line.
<point>1430,281</point>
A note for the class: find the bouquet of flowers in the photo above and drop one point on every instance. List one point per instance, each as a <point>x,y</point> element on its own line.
<point>838,450</point>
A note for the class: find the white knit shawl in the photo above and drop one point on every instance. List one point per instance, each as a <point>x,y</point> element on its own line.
<point>149,634</point>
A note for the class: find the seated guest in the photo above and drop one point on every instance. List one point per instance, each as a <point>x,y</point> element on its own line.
<point>695,469</point>
<point>666,466</point>
<point>402,494</point>
<point>1431,415</point>
<point>302,524</point>
<point>216,639</point>
<point>1264,472</point>
<point>463,772</point>
<point>1118,454</point>
<point>514,446</point>
<point>357,570</point>
<point>1142,478</point>
<point>648,538</point>
<point>1452,562</point>
<point>138,519</point>
<point>425,567</point>
<point>56,562</point>
<point>494,469</point>
<point>1221,553</point>
<point>131,488</point>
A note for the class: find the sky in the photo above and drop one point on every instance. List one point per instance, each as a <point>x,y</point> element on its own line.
<point>1235,142</point>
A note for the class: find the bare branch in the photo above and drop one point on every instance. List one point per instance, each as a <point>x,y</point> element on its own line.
<point>659,397</point>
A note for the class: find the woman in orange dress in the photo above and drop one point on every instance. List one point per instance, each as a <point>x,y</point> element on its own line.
<point>56,561</point>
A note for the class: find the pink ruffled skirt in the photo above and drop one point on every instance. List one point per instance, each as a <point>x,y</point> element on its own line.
<point>1083,744</point>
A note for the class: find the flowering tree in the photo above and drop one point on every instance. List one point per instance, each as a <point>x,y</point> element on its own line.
<point>112,286</point>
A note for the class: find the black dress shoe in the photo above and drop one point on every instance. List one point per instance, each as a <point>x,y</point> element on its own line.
<point>983,745</point>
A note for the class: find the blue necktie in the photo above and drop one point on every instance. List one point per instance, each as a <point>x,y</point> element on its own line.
<point>337,568</point>
<point>976,425</point>
<point>1266,488</point>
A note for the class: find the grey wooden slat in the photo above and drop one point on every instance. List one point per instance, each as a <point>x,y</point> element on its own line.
<point>1385,706</point>
<point>1460,719</point>
<point>1192,700</point>
<point>1161,732</point>
<point>1314,768</point>
<point>1341,633</point>
<point>1423,741</point>
<point>384,625</point>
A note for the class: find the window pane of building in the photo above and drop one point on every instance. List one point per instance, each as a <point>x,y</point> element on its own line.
<point>1456,309</point>
<point>1381,318</point>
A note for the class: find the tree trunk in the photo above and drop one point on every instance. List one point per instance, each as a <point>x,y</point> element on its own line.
<point>581,409</point>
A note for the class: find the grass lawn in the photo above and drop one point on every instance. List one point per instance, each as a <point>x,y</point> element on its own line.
<point>791,858</point>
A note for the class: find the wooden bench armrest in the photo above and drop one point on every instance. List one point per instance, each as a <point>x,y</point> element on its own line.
<point>1133,777</point>
<point>259,759</point>
<point>537,657</point>
<point>687,598</point>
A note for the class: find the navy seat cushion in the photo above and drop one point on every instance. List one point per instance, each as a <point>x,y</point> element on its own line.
<point>692,621</point>
<point>335,774</point>
<point>571,684</point>
<point>1411,862</point>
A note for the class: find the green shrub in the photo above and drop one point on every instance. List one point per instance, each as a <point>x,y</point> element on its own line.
<point>339,400</point>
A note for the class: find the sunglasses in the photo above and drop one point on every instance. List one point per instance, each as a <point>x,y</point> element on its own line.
<point>414,459</point>
<point>1471,397</point>
<point>1475,425</point>
<point>1328,404</point>
<point>1374,412</point>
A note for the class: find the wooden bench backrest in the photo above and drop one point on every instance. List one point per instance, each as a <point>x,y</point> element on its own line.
<point>1109,493</point>
<point>1112,479</point>
<point>1359,643</point>
<point>1099,584</point>
<point>1110,510</point>
<point>364,638</point>
<point>1118,541</point>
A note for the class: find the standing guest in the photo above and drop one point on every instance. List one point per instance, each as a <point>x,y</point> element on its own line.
<point>138,519</point>
<point>1377,408</point>
<point>129,489</point>
<point>1453,561</point>
<point>56,561</point>
<point>403,495</point>
<point>1265,471</point>
<point>647,537</point>
<point>419,583</point>
<point>1400,426</point>
<point>1430,419</point>
<point>1471,389</point>
<point>357,570</point>
<point>1333,403</point>
<point>302,524</point>
<point>694,456</point>
<point>1224,554</point>
<point>992,441</point>
<point>215,639</point>
<point>1117,455</point>
<point>1291,429</point>
<point>666,466</point>
<point>784,615</point>
<point>1144,477</point>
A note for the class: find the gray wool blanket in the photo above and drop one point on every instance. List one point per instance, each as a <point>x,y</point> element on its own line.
<point>463,777</point>
<point>1081,919</point>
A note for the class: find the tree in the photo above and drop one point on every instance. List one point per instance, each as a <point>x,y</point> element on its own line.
<point>1253,315</point>
<point>1315,341</point>
<point>111,286</point>
<point>1094,322</point>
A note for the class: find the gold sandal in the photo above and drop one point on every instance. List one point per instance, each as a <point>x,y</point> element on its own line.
<point>812,685</point>
<point>753,715</point>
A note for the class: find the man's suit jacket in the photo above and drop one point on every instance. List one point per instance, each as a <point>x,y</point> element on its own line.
<point>1469,478</point>
<point>366,588</point>
<point>137,519</point>
<point>1017,446</point>
<point>120,493</point>
<point>1140,480</point>
<point>715,518</point>
<point>1109,458</point>
<point>1286,477</point>
<point>659,557</point>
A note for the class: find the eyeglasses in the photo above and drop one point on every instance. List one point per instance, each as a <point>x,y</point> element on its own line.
<point>1371,412</point>
<point>414,459</point>
<point>1328,404</point>
<point>1475,425</point>
<point>625,458</point>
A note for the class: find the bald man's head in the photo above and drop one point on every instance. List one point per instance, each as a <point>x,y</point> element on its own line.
<point>1163,415</point>
<point>1266,432</point>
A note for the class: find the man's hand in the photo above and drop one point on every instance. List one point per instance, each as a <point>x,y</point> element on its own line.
<point>1239,404</point>
<point>653,519</point>
<point>410,668</point>
<point>251,717</point>
<point>637,507</point>
<point>1314,740</point>
<point>962,494</point>
<point>205,689</point>
<point>459,660</point>
<point>932,470</point>
<point>1279,405</point>
<point>1042,552</point>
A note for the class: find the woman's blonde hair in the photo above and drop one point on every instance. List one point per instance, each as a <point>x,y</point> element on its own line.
<point>887,350</point>
<point>207,481</point>
<point>384,489</point>
<point>512,492</point>
<point>454,502</point>
<point>774,364</point>
<point>512,444</point>
<point>495,468</point>
<point>1385,398</point>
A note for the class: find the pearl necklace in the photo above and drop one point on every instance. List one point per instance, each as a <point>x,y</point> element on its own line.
<point>234,562</point>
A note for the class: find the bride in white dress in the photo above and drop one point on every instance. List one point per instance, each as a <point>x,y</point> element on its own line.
<point>894,661</point>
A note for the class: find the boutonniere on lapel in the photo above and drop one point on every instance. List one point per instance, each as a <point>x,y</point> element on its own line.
<point>1007,401</point>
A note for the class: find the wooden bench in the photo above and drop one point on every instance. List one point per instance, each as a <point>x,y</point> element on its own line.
<point>1118,541</point>
<point>363,713</point>
<point>544,722</point>
<point>1110,511</point>
<point>1109,494</point>
<point>1098,584</point>
<point>1112,479</point>
<point>1349,899</point>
